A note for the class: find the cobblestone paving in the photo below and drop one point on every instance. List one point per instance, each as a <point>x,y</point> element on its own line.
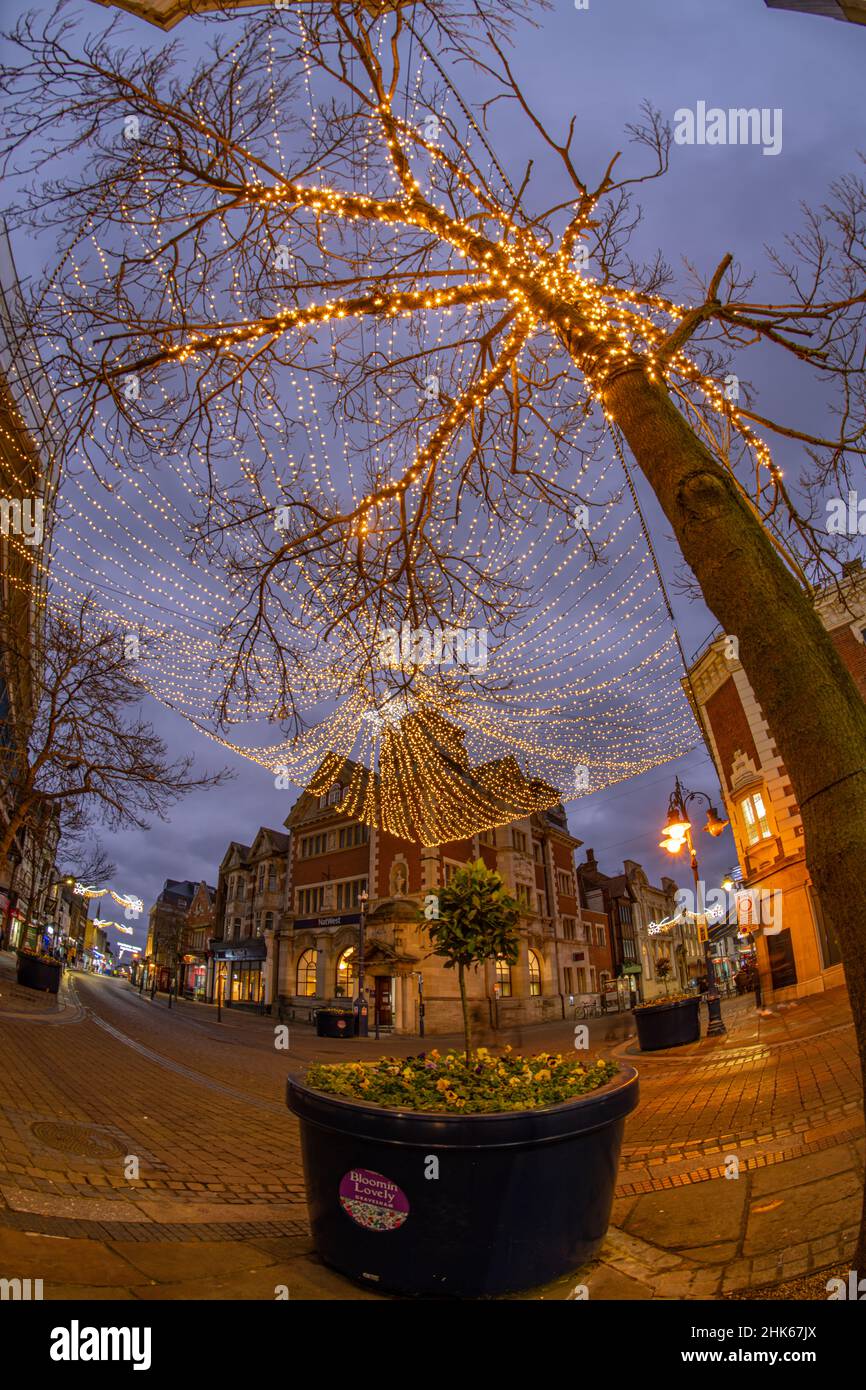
<point>218,1209</point>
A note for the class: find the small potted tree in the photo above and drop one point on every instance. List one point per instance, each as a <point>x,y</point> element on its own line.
<point>671,1020</point>
<point>663,970</point>
<point>466,1173</point>
<point>477,922</point>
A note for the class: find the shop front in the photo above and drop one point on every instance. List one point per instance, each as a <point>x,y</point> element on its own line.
<point>238,978</point>
<point>194,976</point>
<point>17,930</point>
<point>5,917</point>
<point>631,974</point>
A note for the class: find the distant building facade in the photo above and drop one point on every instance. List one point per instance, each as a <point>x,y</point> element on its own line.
<point>676,941</point>
<point>249,917</point>
<point>198,931</point>
<point>163,952</point>
<point>633,908</point>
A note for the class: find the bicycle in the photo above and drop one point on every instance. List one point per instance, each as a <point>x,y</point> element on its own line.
<point>588,1010</point>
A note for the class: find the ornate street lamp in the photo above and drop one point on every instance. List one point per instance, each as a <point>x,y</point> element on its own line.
<point>678,836</point>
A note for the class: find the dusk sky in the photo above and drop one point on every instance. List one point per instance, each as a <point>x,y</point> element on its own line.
<point>600,63</point>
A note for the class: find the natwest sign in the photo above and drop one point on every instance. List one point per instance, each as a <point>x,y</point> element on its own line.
<point>346,919</point>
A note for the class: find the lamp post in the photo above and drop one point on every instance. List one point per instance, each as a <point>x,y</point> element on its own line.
<point>362,1001</point>
<point>420,1003</point>
<point>678,836</point>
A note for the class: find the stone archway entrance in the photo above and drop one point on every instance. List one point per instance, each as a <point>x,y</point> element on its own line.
<point>392,962</point>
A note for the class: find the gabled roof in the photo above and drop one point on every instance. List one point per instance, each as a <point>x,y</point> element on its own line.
<point>236,855</point>
<point>617,887</point>
<point>277,839</point>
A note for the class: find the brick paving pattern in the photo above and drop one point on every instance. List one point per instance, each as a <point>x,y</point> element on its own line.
<point>218,1208</point>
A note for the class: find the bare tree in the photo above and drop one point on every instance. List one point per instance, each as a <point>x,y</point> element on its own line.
<point>399,205</point>
<point>90,755</point>
<point>81,858</point>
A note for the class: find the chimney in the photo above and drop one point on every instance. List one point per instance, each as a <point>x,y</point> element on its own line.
<point>590,859</point>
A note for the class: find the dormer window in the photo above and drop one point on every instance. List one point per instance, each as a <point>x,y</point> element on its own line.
<point>335,795</point>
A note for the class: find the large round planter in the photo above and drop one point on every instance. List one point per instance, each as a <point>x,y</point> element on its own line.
<point>335,1025</point>
<point>38,974</point>
<point>668,1025</point>
<point>461,1205</point>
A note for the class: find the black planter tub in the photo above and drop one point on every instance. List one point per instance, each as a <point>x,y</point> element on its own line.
<point>339,1024</point>
<point>517,1199</point>
<point>668,1025</point>
<point>36,973</point>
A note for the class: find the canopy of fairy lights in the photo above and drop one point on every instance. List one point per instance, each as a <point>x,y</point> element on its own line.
<point>558,672</point>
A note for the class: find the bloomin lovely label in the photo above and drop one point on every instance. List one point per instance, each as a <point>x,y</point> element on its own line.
<point>372,1200</point>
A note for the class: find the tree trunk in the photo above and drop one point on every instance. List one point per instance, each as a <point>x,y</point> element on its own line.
<point>812,706</point>
<point>13,825</point>
<point>467,1022</point>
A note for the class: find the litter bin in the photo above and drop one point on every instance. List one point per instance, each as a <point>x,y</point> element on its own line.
<point>359,1009</point>
<point>334,1023</point>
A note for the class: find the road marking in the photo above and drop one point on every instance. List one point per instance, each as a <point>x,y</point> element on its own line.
<point>197,1077</point>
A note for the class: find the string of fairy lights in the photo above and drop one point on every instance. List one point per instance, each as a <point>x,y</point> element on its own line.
<point>125,900</point>
<point>578,689</point>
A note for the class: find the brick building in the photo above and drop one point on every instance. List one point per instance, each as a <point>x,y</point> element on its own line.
<point>165,931</point>
<point>630,905</point>
<point>334,860</point>
<point>797,951</point>
<point>614,897</point>
<point>198,930</point>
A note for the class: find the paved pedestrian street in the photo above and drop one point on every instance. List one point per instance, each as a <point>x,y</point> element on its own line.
<point>217,1209</point>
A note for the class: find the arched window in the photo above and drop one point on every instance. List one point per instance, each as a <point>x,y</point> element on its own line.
<point>306,979</point>
<point>335,794</point>
<point>346,974</point>
<point>503,978</point>
<point>534,973</point>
